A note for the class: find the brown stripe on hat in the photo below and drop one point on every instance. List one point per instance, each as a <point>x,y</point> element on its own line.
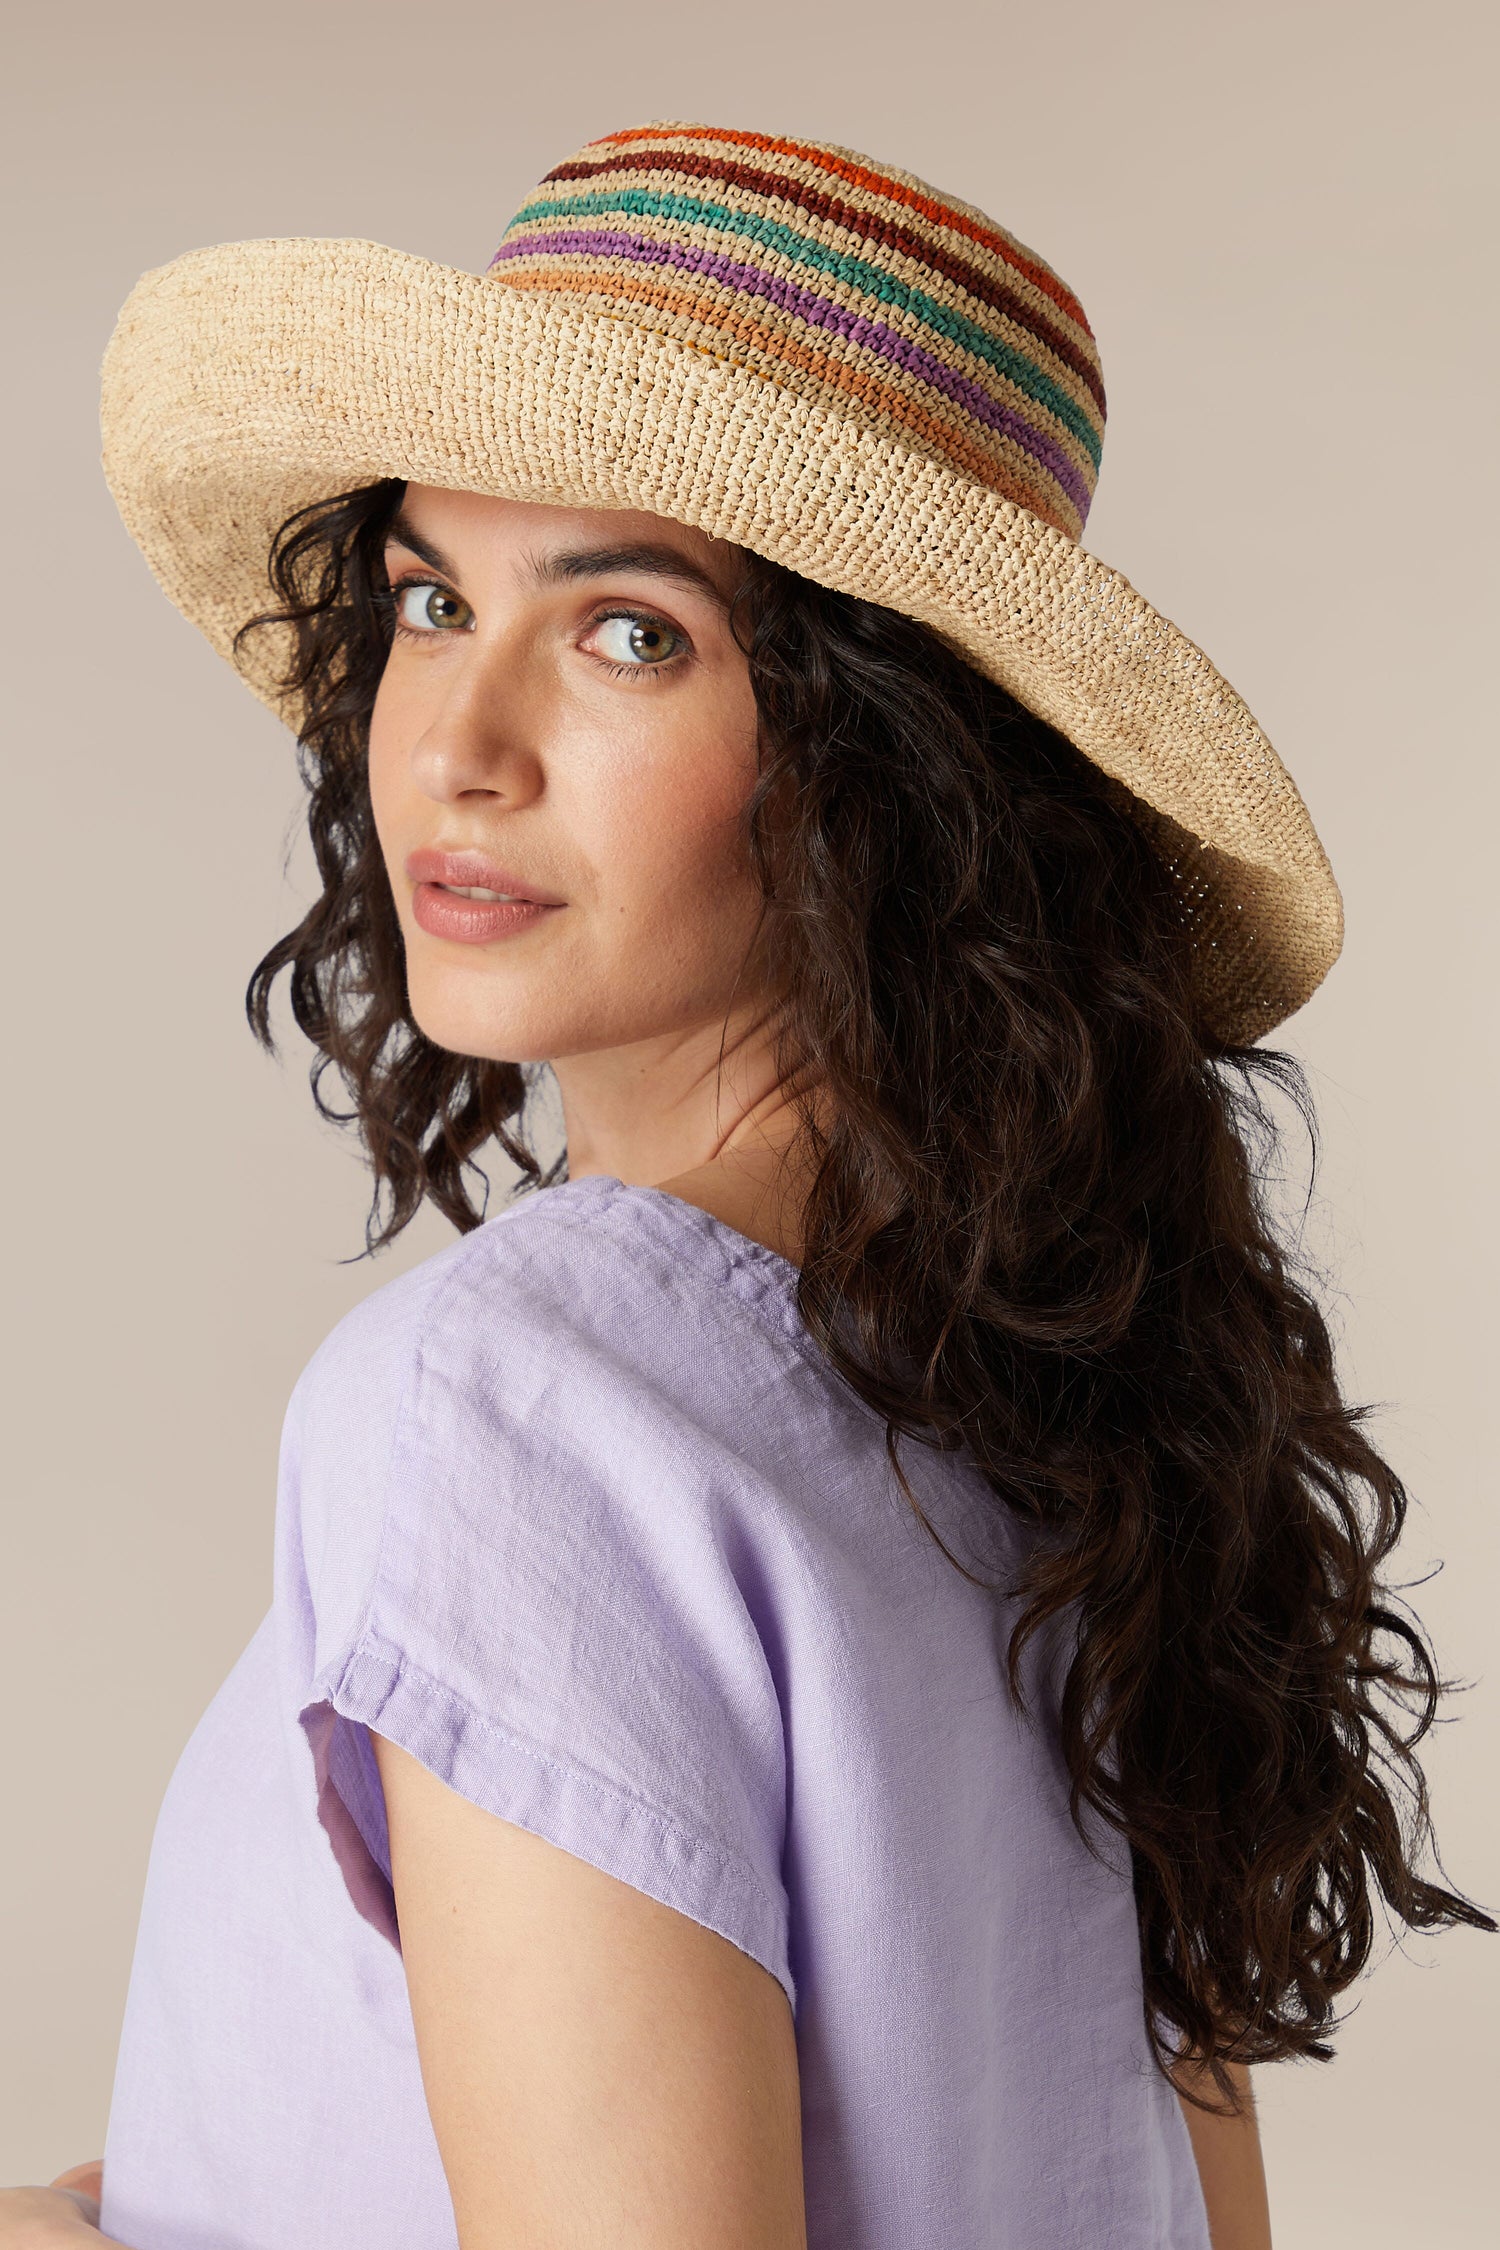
<point>862,218</point>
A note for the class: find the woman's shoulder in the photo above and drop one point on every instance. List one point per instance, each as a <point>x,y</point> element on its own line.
<point>590,1275</point>
<point>510,1531</point>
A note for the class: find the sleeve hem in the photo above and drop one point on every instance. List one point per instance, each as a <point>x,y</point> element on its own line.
<point>379,1688</point>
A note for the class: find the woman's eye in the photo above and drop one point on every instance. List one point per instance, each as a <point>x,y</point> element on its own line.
<point>639,641</point>
<point>424,608</point>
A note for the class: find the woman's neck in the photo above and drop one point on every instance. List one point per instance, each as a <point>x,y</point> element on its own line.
<point>703,1116</point>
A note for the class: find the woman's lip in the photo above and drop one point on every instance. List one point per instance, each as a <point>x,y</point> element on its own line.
<point>473,921</point>
<point>472,871</point>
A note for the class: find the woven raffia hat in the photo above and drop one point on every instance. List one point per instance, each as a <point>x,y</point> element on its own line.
<point>780,343</point>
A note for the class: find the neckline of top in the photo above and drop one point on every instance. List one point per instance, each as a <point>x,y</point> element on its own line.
<point>675,1212</point>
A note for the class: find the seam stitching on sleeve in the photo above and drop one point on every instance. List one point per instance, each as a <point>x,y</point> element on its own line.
<point>422,1320</point>
<point>372,1646</point>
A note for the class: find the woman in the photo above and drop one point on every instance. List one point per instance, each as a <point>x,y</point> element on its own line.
<point>828,1679</point>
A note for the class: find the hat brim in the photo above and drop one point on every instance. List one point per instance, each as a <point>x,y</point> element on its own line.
<point>248,380</point>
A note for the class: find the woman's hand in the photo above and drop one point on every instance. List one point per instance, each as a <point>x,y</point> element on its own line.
<point>67,2212</point>
<point>85,2183</point>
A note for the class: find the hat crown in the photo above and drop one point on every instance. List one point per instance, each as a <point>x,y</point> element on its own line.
<point>842,280</point>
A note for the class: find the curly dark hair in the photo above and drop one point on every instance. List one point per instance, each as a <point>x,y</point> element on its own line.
<point>1039,1227</point>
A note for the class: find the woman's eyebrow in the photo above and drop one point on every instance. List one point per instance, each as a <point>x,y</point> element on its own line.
<point>657,561</point>
<point>403,534</point>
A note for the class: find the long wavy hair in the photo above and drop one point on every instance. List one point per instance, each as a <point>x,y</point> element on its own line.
<point>1039,1228</point>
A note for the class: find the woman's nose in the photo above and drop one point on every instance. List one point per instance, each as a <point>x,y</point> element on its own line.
<point>481,735</point>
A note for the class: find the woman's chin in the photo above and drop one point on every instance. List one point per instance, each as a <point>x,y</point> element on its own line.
<point>499,1034</point>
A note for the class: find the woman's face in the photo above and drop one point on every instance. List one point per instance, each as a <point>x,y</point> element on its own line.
<point>566,727</point>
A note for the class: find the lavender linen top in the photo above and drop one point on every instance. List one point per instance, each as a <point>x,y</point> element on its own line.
<point>576,1514</point>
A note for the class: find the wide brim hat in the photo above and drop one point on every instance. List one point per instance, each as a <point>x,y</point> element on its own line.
<point>785,345</point>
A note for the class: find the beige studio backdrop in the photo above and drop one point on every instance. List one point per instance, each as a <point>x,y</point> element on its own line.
<point>1280,221</point>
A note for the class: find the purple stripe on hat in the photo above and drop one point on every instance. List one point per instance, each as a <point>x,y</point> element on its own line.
<point>818,312</point>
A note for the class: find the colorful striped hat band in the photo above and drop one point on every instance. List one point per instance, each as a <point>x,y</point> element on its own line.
<point>847,282</point>
<point>791,348</point>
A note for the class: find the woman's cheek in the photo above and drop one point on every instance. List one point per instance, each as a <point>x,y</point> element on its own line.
<point>396,804</point>
<point>691,863</point>
<point>381,759</point>
<point>692,804</point>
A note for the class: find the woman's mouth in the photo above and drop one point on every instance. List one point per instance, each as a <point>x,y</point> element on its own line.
<point>464,896</point>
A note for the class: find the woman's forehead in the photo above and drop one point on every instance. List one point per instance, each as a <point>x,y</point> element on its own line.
<point>545,525</point>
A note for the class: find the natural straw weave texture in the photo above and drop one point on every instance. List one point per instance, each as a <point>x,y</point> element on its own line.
<point>811,266</point>
<point>784,345</point>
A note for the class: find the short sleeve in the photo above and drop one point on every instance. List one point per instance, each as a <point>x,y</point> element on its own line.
<point>523,1565</point>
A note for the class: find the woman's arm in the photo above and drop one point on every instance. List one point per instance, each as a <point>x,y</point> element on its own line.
<point>598,2067</point>
<point>1229,2164</point>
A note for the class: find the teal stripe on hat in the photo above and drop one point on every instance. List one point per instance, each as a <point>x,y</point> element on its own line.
<point>857,272</point>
